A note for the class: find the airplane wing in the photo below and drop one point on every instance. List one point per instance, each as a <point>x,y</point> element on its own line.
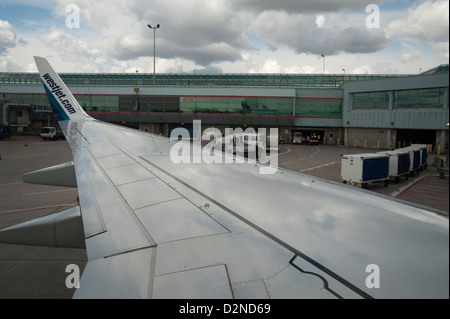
<point>154,228</point>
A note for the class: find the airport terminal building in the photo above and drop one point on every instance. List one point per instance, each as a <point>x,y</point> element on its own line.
<point>375,111</point>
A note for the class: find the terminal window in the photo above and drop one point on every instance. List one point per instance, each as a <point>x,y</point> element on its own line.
<point>422,98</point>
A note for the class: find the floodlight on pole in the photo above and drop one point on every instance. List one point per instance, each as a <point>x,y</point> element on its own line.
<point>154,51</point>
<point>323,56</point>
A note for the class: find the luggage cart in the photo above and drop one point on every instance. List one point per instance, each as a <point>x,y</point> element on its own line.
<point>423,155</point>
<point>399,163</point>
<point>361,169</point>
<point>415,157</point>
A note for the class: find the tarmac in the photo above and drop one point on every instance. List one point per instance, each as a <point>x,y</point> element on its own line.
<point>28,272</point>
<point>424,188</point>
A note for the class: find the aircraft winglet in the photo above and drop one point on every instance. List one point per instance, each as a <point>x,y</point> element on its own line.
<point>64,105</point>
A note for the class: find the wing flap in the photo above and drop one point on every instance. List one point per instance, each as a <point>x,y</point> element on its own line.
<point>105,210</point>
<point>59,175</point>
<point>64,229</point>
<point>126,275</point>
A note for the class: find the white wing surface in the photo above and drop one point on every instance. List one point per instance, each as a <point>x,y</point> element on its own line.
<point>157,229</point>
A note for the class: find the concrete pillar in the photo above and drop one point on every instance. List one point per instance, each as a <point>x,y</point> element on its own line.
<point>346,135</point>
<point>441,141</point>
<point>389,143</point>
<point>391,100</point>
<point>445,106</point>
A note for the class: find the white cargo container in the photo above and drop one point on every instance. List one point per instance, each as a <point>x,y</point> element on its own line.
<point>360,169</point>
<point>399,163</point>
<point>423,154</point>
<point>415,157</point>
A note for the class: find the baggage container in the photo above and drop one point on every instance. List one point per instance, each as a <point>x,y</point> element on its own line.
<point>415,157</point>
<point>423,154</point>
<point>399,163</point>
<point>361,169</point>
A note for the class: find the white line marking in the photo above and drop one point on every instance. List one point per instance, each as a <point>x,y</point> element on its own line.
<point>410,184</point>
<point>315,167</point>
<point>289,150</point>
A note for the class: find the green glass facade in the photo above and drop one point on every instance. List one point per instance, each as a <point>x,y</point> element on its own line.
<point>371,100</point>
<point>283,100</point>
<point>170,104</point>
<point>193,79</point>
<point>319,107</point>
<point>33,99</point>
<point>236,105</point>
<point>431,98</point>
<point>419,99</point>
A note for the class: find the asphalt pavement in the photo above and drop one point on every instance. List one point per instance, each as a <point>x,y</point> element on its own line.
<point>28,272</point>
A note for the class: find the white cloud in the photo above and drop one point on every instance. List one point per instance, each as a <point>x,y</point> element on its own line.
<point>425,25</point>
<point>230,36</point>
<point>365,69</point>
<point>304,6</point>
<point>410,54</point>
<point>320,21</point>
<point>65,43</point>
<point>442,47</point>
<point>305,69</point>
<point>428,21</point>
<point>269,66</point>
<point>201,31</point>
<point>8,37</point>
<point>301,33</point>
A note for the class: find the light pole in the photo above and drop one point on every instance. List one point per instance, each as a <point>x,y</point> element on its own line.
<point>323,56</point>
<point>154,51</point>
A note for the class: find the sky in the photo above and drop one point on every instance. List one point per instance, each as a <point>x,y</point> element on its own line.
<point>225,36</point>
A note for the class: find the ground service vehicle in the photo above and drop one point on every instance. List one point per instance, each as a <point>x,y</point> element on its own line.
<point>298,138</point>
<point>50,133</point>
<point>313,139</point>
